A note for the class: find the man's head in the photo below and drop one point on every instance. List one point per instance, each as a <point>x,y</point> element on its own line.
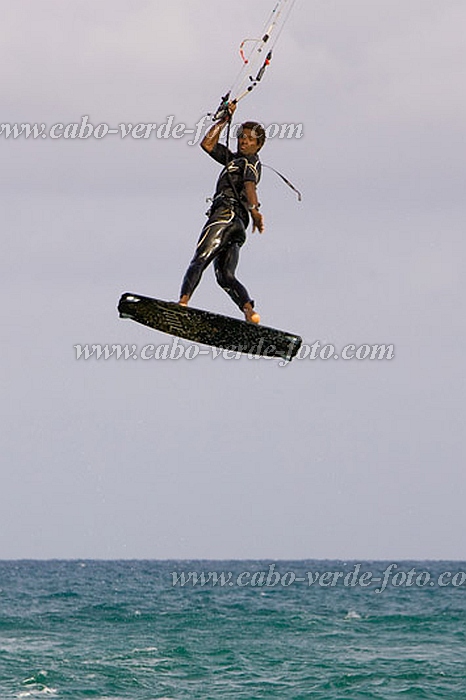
<point>251,138</point>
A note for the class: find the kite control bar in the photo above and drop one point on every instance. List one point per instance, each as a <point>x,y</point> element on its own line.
<point>254,64</point>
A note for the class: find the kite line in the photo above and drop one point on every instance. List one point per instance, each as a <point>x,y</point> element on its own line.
<point>256,56</point>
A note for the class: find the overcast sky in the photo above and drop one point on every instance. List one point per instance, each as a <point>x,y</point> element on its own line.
<point>240,458</point>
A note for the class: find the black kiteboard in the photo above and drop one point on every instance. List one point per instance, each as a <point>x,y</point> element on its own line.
<point>208,328</point>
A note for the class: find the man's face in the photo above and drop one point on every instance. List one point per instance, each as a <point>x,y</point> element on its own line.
<point>247,143</point>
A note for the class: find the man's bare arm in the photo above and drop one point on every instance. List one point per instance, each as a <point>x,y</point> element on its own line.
<point>211,139</point>
<point>253,204</point>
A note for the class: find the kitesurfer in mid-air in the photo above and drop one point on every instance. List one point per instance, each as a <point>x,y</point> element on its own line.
<point>235,199</point>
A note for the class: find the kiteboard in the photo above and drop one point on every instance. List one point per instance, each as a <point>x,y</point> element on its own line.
<point>209,328</point>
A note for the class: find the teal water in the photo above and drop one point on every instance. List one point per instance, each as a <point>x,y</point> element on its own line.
<point>114,630</point>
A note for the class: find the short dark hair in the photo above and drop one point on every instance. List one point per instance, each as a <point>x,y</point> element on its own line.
<point>257,130</point>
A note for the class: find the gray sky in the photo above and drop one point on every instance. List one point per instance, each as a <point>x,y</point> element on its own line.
<point>244,458</point>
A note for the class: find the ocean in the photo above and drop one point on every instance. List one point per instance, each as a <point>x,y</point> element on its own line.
<point>179,630</point>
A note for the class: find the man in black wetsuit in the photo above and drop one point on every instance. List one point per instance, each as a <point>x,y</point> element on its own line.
<point>235,198</point>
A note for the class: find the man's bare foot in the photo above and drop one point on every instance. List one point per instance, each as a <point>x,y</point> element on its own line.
<point>250,315</point>
<point>184,300</point>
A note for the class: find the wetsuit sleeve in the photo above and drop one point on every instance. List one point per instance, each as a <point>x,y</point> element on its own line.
<point>220,153</point>
<point>252,171</point>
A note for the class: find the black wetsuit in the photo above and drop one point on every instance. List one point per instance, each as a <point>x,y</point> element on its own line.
<point>225,230</point>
